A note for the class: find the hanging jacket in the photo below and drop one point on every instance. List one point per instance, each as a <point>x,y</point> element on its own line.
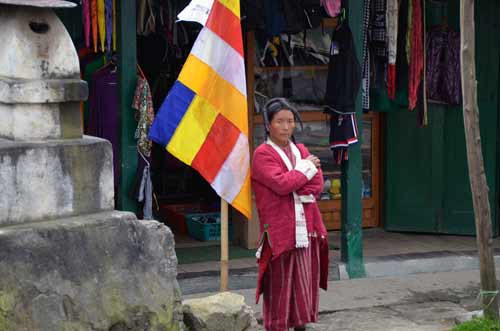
<point>344,72</point>
<point>443,66</point>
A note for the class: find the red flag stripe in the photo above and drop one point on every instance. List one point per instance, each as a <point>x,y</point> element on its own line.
<point>226,25</point>
<point>216,148</point>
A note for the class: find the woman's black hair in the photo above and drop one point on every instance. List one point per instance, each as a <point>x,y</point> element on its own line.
<point>273,106</point>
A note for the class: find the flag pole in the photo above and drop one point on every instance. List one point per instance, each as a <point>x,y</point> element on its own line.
<point>224,243</point>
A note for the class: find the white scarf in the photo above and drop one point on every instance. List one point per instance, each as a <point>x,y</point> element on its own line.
<point>301,237</point>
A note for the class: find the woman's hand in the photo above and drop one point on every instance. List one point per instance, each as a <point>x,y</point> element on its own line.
<point>314,159</point>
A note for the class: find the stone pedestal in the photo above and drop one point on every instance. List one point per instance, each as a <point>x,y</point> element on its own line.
<point>67,260</point>
<point>105,271</point>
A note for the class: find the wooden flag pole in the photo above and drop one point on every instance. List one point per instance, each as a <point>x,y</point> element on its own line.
<point>224,243</point>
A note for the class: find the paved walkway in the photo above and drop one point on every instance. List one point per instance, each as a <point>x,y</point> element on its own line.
<point>415,282</point>
<point>376,243</point>
<point>421,302</point>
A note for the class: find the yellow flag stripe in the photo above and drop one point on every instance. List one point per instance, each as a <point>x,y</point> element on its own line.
<point>242,202</point>
<point>207,83</point>
<point>192,130</point>
<point>232,5</point>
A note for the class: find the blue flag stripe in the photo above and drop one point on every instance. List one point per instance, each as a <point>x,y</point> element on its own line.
<point>171,113</point>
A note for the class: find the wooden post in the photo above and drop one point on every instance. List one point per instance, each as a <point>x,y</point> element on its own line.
<point>224,243</point>
<point>477,177</point>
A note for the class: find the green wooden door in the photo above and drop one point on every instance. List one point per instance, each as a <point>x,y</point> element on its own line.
<point>426,176</point>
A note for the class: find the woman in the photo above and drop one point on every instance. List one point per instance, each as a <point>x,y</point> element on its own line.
<point>293,255</point>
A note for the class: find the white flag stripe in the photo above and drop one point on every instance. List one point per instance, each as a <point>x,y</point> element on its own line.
<point>222,58</point>
<point>234,171</point>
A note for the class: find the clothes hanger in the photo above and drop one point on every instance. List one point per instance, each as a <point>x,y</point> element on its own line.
<point>141,73</point>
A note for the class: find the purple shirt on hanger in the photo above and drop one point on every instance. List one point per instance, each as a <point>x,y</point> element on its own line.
<point>104,111</point>
<point>109,23</point>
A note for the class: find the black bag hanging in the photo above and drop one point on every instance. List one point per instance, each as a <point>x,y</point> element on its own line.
<point>313,13</point>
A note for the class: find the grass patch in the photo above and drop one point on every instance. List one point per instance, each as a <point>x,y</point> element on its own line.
<point>479,324</point>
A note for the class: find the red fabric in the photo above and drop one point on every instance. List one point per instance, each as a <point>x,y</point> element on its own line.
<point>273,186</point>
<point>416,55</point>
<point>267,255</point>
<point>291,288</point>
<point>391,81</point>
<point>218,145</point>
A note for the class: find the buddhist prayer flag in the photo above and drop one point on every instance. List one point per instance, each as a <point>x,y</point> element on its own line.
<point>203,120</point>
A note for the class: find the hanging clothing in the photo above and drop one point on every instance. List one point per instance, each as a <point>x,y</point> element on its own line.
<point>392,44</point>
<point>101,18</point>
<point>378,51</point>
<point>93,17</point>
<point>86,21</point>
<point>378,30</point>
<point>443,66</point>
<point>109,23</point>
<point>146,191</point>
<point>104,111</point>
<point>273,18</point>
<point>114,26</point>
<point>343,133</point>
<point>143,104</point>
<point>365,96</point>
<point>417,55</point>
<point>409,31</point>
<point>344,72</point>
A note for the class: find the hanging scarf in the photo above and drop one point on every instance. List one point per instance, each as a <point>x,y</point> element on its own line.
<point>101,17</point>
<point>109,23</point>
<point>409,31</point>
<point>86,21</point>
<point>301,238</point>
<point>417,55</point>
<point>114,25</point>
<point>392,15</point>
<point>93,15</point>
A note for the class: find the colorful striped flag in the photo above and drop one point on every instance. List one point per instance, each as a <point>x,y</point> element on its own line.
<point>203,120</point>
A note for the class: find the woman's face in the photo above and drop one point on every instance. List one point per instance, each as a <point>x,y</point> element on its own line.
<point>281,127</point>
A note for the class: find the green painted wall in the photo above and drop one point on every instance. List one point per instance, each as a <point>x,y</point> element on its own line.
<point>426,177</point>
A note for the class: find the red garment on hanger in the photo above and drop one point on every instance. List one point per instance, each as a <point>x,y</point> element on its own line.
<point>93,16</point>
<point>86,21</point>
<point>416,55</point>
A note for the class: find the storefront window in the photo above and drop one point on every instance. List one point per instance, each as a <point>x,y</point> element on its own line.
<point>293,66</point>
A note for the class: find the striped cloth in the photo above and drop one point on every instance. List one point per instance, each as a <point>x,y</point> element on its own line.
<point>291,288</point>
<point>203,121</point>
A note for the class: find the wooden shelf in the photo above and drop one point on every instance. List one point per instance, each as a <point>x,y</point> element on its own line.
<point>294,68</point>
